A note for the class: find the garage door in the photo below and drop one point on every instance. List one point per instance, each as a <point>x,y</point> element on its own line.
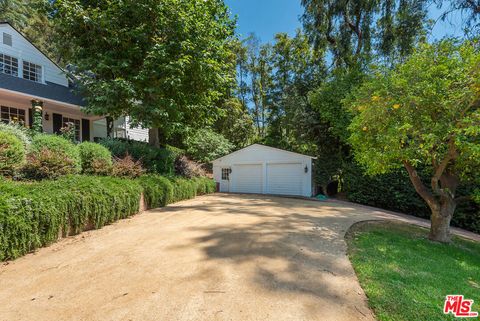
<point>284,179</point>
<point>248,178</point>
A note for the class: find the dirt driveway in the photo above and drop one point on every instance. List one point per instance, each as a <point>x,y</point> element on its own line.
<point>218,257</point>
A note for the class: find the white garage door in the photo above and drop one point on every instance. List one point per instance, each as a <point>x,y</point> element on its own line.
<point>248,178</point>
<point>284,179</point>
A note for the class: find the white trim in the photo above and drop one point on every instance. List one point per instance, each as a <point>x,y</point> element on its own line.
<point>256,144</point>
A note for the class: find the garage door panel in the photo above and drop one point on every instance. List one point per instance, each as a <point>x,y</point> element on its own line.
<point>284,179</point>
<point>248,178</point>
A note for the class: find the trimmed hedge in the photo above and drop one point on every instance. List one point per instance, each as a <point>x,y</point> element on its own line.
<point>160,191</point>
<point>395,192</point>
<point>36,214</point>
<point>95,159</point>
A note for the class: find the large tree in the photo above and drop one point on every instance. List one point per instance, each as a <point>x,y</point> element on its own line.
<point>424,114</point>
<point>166,63</point>
<point>354,30</point>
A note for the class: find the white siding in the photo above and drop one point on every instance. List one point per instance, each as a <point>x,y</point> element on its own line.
<point>263,169</point>
<point>22,49</point>
<point>136,133</point>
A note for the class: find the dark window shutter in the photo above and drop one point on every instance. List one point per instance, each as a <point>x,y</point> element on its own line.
<point>85,130</point>
<point>57,123</point>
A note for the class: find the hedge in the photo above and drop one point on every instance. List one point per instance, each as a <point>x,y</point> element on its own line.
<point>395,192</point>
<point>33,215</point>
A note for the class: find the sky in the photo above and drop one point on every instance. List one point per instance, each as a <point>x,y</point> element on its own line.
<point>267,17</point>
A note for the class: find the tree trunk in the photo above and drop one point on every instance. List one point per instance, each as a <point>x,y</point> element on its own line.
<point>153,137</point>
<point>440,220</point>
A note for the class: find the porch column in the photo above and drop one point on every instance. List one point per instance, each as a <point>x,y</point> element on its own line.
<point>37,117</point>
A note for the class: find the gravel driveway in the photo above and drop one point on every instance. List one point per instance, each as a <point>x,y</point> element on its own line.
<point>217,257</point>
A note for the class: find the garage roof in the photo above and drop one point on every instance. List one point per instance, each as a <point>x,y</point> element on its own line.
<point>256,144</point>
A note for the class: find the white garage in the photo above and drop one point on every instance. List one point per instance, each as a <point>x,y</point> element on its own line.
<point>261,169</point>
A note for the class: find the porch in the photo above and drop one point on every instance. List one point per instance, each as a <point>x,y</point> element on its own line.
<point>17,107</point>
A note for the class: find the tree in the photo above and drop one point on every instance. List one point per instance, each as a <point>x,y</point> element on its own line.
<point>353,30</point>
<point>235,123</point>
<point>469,7</point>
<point>166,63</point>
<point>30,17</point>
<point>424,114</point>
<point>206,145</point>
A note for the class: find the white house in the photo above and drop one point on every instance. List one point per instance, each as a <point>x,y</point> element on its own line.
<point>28,77</point>
<point>262,169</point>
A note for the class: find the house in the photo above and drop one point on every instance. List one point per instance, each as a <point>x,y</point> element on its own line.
<point>262,169</point>
<point>29,79</point>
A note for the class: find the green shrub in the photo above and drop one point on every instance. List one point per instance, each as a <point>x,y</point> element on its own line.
<point>157,190</point>
<point>21,132</point>
<point>95,159</point>
<point>33,214</point>
<point>206,145</point>
<point>12,153</point>
<point>154,160</point>
<point>52,156</point>
<point>127,167</point>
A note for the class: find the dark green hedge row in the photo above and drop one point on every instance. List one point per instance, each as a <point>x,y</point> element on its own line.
<point>160,191</point>
<point>395,192</point>
<point>33,215</point>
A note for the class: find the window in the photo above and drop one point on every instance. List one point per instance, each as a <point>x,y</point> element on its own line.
<point>67,121</point>
<point>32,71</point>
<point>12,115</point>
<point>7,39</point>
<point>8,65</point>
<point>226,174</point>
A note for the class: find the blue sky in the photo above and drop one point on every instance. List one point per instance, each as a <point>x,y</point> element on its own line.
<point>268,17</point>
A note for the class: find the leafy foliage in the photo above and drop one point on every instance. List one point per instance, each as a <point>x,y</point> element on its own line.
<point>154,160</point>
<point>127,167</point>
<point>95,159</point>
<point>34,214</point>
<point>188,168</point>
<point>180,66</point>
<point>205,145</point>
<point>20,132</point>
<point>51,157</point>
<point>12,154</point>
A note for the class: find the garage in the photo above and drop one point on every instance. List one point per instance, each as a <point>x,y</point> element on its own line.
<point>260,169</point>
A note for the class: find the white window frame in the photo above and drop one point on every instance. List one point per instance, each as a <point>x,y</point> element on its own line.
<point>14,115</point>
<point>36,70</point>
<point>226,173</point>
<point>11,66</point>
<point>78,129</point>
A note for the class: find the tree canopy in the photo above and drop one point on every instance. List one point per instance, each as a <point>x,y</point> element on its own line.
<point>424,113</point>
<point>166,63</point>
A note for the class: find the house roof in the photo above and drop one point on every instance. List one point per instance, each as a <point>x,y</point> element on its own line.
<point>48,90</point>
<point>256,144</point>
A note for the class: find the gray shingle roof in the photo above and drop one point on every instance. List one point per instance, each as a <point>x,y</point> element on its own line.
<point>48,90</point>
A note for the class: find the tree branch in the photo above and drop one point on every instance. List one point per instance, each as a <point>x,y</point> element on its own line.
<point>421,189</point>
<point>462,199</point>
<point>440,168</point>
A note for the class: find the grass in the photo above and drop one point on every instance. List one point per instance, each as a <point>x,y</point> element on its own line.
<point>406,277</point>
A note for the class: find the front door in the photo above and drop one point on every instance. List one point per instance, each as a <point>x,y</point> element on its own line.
<point>225,181</point>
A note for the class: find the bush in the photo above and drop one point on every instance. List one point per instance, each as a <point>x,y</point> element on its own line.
<point>154,160</point>
<point>206,145</point>
<point>52,156</point>
<point>12,154</point>
<point>22,133</point>
<point>34,214</point>
<point>188,168</point>
<point>127,167</point>
<point>95,159</point>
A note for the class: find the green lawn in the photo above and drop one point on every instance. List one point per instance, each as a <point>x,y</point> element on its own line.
<point>406,277</point>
